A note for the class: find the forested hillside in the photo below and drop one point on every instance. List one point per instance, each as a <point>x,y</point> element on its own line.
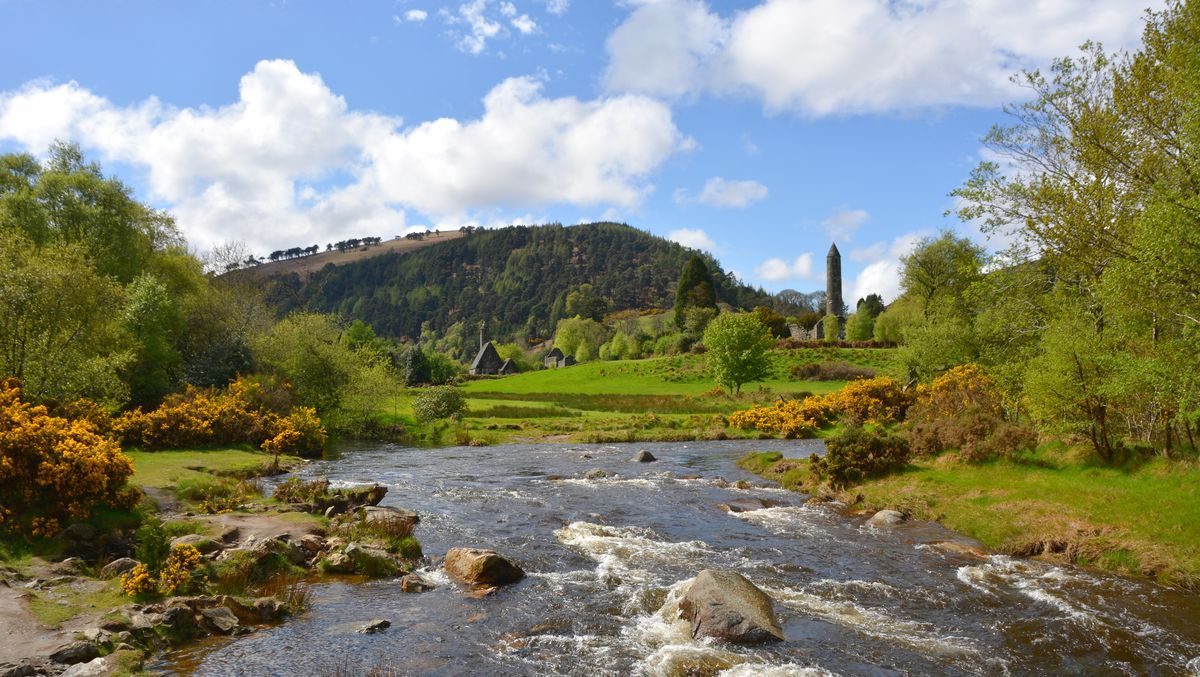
<point>515,278</point>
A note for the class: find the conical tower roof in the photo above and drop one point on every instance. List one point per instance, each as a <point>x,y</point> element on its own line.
<point>833,251</point>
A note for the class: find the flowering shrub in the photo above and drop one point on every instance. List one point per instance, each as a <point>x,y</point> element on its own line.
<point>964,409</point>
<point>963,387</point>
<point>879,400</point>
<point>789,418</point>
<point>245,412</point>
<point>176,575</point>
<point>54,470</point>
<point>872,400</point>
<point>138,582</point>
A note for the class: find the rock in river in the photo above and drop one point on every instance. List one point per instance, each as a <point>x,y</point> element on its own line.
<point>643,456</point>
<point>887,518</point>
<point>724,605</point>
<point>481,567</point>
<point>415,583</point>
<point>746,505</point>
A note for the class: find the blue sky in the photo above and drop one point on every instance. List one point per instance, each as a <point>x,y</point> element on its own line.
<point>759,130</point>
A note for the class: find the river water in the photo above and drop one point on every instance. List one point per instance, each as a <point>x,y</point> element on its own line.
<point>604,556</point>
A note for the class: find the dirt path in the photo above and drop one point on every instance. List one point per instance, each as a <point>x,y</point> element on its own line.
<point>21,635</point>
<point>239,526</point>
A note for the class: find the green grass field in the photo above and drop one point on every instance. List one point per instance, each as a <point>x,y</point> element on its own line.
<point>665,398</point>
<point>163,469</point>
<point>1143,519</point>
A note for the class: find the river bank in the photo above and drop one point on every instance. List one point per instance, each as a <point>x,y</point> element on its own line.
<point>1140,520</point>
<point>68,605</point>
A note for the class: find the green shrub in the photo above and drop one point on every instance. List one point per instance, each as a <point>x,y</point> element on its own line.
<point>296,490</point>
<point>829,371</point>
<point>856,454</point>
<point>153,544</point>
<point>439,402</point>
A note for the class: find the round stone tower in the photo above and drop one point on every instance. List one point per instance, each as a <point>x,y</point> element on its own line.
<point>833,282</point>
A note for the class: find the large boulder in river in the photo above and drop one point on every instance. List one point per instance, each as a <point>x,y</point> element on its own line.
<point>724,605</point>
<point>387,514</point>
<point>481,567</point>
<point>887,518</point>
<point>643,456</point>
<point>371,561</point>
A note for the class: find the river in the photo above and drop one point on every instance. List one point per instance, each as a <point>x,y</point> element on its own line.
<point>604,555</point>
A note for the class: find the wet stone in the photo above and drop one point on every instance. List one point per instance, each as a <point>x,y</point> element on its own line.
<point>374,626</point>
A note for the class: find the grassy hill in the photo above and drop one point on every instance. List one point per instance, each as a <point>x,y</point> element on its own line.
<point>307,265</point>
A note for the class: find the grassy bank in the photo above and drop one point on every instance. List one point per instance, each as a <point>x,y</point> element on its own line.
<point>661,399</point>
<point>1142,519</point>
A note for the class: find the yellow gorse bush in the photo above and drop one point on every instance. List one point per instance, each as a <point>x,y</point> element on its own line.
<point>243,413</point>
<point>54,470</point>
<point>879,400</point>
<point>177,570</point>
<point>965,387</point>
<point>138,581</point>
<point>175,577</point>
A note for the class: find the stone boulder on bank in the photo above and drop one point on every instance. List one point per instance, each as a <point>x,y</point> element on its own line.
<point>204,544</point>
<point>724,605</point>
<point>481,567</point>
<point>117,567</point>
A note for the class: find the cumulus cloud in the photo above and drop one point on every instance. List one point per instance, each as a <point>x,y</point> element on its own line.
<point>695,238</point>
<point>416,15</point>
<point>719,192</point>
<point>558,7</point>
<point>290,162</point>
<point>822,57</point>
<point>664,48</point>
<point>779,270</point>
<point>881,275</point>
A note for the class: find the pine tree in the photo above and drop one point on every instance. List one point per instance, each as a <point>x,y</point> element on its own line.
<point>695,289</point>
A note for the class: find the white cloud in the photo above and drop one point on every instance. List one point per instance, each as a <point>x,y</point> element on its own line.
<point>779,270</point>
<point>290,162</point>
<point>843,222</point>
<point>882,273</point>
<point>558,7</point>
<point>474,24</point>
<point>663,48</point>
<point>822,57</point>
<point>524,24</point>
<point>479,28</point>
<point>416,15</point>
<point>719,192</point>
<point>694,238</point>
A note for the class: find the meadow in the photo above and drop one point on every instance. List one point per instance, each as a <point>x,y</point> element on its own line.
<point>661,399</point>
